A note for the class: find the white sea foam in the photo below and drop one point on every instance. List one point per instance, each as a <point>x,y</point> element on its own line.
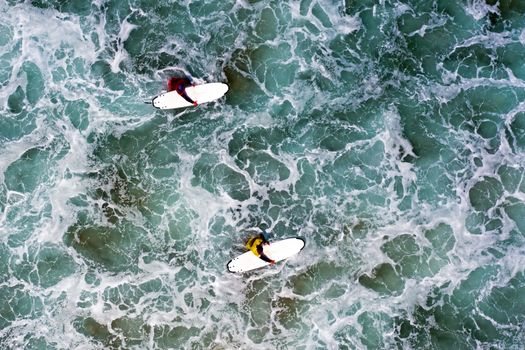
<point>479,9</point>
<point>123,35</point>
<point>307,300</point>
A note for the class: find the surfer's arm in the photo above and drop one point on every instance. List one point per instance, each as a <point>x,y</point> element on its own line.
<point>267,259</point>
<point>263,256</point>
<point>187,98</point>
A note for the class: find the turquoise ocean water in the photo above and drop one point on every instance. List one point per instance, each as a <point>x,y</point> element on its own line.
<point>390,134</point>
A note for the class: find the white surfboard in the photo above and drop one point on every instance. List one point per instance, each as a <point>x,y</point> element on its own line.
<point>277,251</point>
<point>201,93</point>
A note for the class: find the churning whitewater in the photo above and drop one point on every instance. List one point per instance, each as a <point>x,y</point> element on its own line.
<point>388,134</point>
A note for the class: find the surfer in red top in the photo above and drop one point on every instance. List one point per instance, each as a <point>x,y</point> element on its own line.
<point>179,85</point>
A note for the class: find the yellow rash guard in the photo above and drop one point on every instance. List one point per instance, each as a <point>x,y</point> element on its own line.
<point>253,243</point>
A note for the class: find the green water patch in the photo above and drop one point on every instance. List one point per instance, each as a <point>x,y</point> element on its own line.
<point>358,168</point>
<point>442,239</point>
<point>462,320</point>
<point>515,209</point>
<point>267,27</point>
<point>516,134</point>
<point>87,300</point>
<point>485,193</point>
<point>132,144</point>
<point>345,336</point>
<point>190,133</point>
<point>306,49</point>
<point>388,37</point>
<point>266,61</point>
<point>257,139</point>
<point>6,35</point>
<point>262,166</point>
<point>34,342</point>
<point>412,261</point>
<point>362,122</point>
<point>118,193</point>
<point>307,182</point>
<point>423,133</point>
<point>491,102</point>
<point>279,204</point>
<point>126,192</point>
<point>25,174</point>
<point>481,222</point>
<point>74,7</point>
<point>465,295</point>
<point>373,327</point>
<point>17,303</point>
<point>370,156</point>
<point>96,332</point>
<point>259,65</point>
<point>142,43</point>
<point>137,178</point>
<point>370,33</point>
<point>487,129</point>
<point>480,61</point>
<point>329,135</point>
<point>471,107</point>
<point>214,177</point>
<point>165,160</point>
<point>112,248</point>
<point>169,337</point>
<point>244,91</point>
<point>16,101</point>
<point>3,197</point>
<point>320,14</point>
<point>101,70</point>
<point>8,57</point>
<point>420,330</point>
<point>151,45</point>
<point>475,61</point>
<point>24,221</point>
<point>35,82</point>
<point>127,296</point>
<point>438,40</point>
<point>271,22</point>
<point>290,313</point>
<point>59,75</point>
<point>4,263</point>
<point>179,229</point>
<point>282,204</point>
<point>134,331</point>
<point>512,56</point>
<point>258,305</point>
<point>78,113</point>
<point>509,15</point>
<point>44,265</point>
<point>384,280</point>
<point>32,168</point>
<point>506,306</point>
<point>317,276</point>
<point>206,10</point>
<point>434,186</point>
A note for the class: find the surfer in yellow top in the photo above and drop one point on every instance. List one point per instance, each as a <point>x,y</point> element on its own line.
<point>256,245</point>
<point>179,85</point>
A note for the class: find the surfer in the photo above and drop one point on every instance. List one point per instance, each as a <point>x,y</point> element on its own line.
<point>256,245</point>
<point>179,85</point>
